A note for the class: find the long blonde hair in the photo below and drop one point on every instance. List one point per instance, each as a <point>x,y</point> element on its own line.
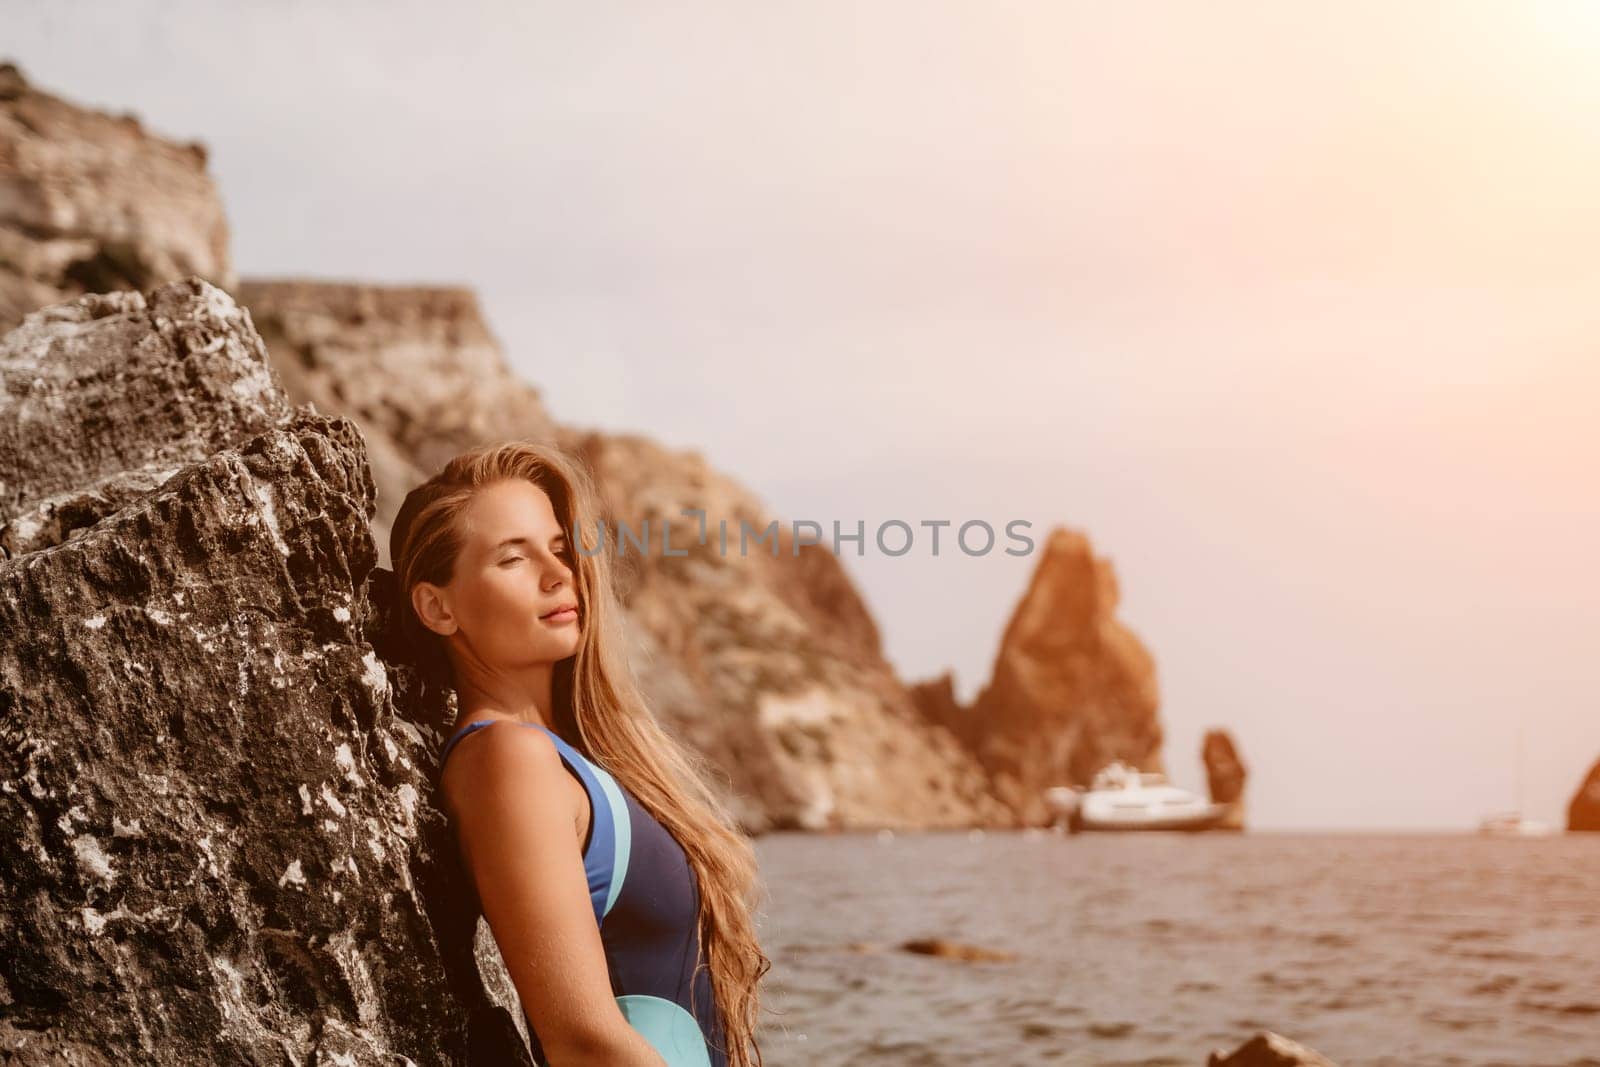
<point>597,705</point>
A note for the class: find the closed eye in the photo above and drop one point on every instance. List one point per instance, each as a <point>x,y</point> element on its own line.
<point>509,559</point>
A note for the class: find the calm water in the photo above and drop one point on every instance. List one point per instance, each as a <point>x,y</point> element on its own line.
<point>1412,950</point>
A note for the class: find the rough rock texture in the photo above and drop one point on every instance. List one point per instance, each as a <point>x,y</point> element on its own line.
<point>1072,688</point>
<point>220,846</point>
<point>1267,1049</point>
<point>1225,775</point>
<point>107,396</point>
<point>1583,813</point>
<point>416,368</point>
<point>91,202</point>
<point>770,663</point>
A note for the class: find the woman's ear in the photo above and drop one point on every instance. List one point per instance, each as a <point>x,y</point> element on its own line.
<point>432,606</point>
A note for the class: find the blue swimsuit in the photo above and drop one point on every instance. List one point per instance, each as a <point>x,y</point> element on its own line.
<point>645,898</point>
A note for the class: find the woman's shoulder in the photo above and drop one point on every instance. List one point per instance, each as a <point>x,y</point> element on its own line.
<point>483,755</point>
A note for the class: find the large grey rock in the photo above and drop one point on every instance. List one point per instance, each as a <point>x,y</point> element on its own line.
<point>107,396</point>
<point>220,846</point>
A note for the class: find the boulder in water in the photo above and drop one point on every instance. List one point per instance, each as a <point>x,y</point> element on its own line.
<point>1267,1049</point>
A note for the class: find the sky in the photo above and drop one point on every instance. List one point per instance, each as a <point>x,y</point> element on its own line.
<point>1291,308</point>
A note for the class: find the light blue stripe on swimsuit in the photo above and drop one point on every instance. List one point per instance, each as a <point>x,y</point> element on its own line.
<point>605,861</point>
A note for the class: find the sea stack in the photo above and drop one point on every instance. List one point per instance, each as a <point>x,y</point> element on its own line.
<point>1583,814</point>
<point>1225,776</point>
<point>1072,687</point>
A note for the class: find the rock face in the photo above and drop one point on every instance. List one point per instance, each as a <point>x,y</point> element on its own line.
<point>1225,775</point>
<point>1583,814</point>
<point>415,367</point>
<point>91,202</point>
<point>219,843</point>
<point>1267,1049</point>
<point>1072,688</point>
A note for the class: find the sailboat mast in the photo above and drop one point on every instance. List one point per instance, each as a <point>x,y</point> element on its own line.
<point>1517,772</point>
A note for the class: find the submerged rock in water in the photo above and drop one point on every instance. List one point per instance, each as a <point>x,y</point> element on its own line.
<point>1267,1049</point>
<point>1583,813</point>
<point>954,950</point>
<point>220,846</point>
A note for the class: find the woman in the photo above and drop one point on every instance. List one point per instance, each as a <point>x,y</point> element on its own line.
<point>616,885</point>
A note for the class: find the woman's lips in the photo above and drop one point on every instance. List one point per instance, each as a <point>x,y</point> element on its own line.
<point>564,615</point>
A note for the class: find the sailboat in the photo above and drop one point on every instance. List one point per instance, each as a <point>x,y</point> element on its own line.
<point>1511,823</point>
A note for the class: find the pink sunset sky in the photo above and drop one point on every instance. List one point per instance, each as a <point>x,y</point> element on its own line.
<point>1293,308</point>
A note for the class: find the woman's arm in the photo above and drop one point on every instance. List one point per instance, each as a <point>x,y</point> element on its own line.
<point>516,822</point>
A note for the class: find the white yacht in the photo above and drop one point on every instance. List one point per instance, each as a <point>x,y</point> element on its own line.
<point>1123,798</point>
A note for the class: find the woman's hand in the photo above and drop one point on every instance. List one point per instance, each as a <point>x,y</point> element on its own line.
<point>516,818</point>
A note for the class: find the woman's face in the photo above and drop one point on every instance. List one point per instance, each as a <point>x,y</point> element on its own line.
<point>515,569</point>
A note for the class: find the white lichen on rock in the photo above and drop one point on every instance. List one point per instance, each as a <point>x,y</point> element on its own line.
<point>347,762</point>
<point>332,801</point>
<point>92,861</point>
<point>292,875</point>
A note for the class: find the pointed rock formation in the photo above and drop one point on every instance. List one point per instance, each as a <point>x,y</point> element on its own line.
<point>1072,687</point>
<point>1583,814</point>
<point>92,202</point>
<point>220,845</point>
<point>1225,776</point>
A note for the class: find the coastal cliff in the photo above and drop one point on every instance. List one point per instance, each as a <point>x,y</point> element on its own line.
<point>92,202</point>
<point>769,663</point>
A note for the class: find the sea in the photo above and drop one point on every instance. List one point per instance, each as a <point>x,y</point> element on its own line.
<point>1152,950</point>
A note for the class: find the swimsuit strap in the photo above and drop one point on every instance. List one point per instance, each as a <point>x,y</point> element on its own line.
<point>605,861</point>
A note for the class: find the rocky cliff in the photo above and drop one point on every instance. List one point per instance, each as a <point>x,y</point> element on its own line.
<point>769,663</point>
<point>1583,813</point>
<point>1072,687</point>
<point>219,839</point>
<point>91,202</point>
